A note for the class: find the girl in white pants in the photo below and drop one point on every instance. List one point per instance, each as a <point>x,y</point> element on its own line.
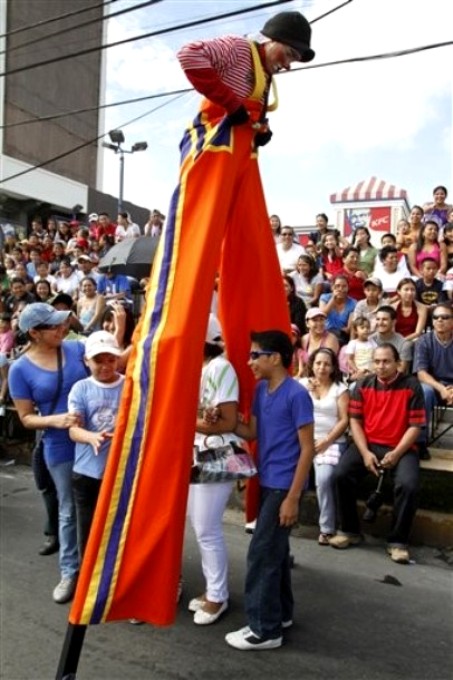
<point>216,421</point>
<point>206,506</point>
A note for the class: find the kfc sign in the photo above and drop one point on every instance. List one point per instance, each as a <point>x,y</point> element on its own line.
<point>374,219</point>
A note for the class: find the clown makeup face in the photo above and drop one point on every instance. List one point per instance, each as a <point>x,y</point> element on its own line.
<point>279,57</point>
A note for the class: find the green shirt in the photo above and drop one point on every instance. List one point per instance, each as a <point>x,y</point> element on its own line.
<point>367,258</point>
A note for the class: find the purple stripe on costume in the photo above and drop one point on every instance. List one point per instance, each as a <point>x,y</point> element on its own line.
<point>223,135</point>
<point>185,146</point>
<point>134,451</point>
<point>201,136</point>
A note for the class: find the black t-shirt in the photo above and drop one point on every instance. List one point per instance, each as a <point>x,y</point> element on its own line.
<point>430,295</point>
<point>12,302</point>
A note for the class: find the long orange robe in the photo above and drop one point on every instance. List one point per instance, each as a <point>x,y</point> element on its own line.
<point>217,222</point>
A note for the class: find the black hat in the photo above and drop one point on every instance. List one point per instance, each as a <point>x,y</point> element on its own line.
<point>291,28</point>
<point>62,298</point>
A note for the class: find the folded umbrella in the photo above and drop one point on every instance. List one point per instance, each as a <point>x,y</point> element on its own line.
<point>375,500</point>
<point>132,257</point>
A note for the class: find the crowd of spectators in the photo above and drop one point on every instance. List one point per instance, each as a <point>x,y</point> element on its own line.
<point>350,296</point>
<point>341,282</point>
<point>59,263</point>
<point>345,299</point>
<point>411,271</point>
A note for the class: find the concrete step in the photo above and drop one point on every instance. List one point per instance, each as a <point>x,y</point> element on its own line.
<point>441,460</point>
<point>431,528</point>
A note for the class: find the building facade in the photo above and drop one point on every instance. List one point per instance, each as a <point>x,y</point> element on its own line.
<point>53,161</point>
<point>372,203</point>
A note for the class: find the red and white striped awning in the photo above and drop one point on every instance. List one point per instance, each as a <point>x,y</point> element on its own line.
<point>372,189</point>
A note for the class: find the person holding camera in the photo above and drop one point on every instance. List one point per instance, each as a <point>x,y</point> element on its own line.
<point>386,412</point>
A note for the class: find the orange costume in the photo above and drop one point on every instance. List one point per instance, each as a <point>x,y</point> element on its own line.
<point>217,221</point>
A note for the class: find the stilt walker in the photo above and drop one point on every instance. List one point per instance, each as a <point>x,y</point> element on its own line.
<point>217,222</point>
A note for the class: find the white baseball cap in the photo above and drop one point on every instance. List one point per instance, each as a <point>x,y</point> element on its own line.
<point>214,331</point>
<point>101,342</point>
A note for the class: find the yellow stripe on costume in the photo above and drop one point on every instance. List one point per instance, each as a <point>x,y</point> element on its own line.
<point>135,401</point>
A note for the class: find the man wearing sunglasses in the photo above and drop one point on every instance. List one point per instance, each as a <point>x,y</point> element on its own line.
<point>433,364</point>
<point>288,251</point>
<point>282,424</point>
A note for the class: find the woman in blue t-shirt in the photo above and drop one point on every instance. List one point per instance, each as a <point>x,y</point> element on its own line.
<point>34,384</point>
<point>338,308</point>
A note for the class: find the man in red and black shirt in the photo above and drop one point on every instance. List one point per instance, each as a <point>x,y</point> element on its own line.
<point>386,413</point>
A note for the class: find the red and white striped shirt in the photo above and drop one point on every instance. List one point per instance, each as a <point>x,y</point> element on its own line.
<point>221,69</point>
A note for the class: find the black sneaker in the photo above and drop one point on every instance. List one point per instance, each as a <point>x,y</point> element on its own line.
<point>50,546</point>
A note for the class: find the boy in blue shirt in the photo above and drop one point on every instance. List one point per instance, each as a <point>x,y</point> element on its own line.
<point>95,400</point>
<point>282,422</point>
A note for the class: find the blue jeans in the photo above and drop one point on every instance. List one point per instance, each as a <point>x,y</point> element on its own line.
<point>268,594</point>
<point>67,527</point>
<point>430,395</point>
<point>325,493</point>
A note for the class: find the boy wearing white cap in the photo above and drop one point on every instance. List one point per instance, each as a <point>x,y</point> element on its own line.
<point>95,400</point>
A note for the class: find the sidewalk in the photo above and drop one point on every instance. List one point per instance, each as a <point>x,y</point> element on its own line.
<point>358,615</point>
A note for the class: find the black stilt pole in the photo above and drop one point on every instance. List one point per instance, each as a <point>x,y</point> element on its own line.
<point>70,654</point>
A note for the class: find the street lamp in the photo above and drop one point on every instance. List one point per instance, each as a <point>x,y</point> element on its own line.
<point>117,139</point>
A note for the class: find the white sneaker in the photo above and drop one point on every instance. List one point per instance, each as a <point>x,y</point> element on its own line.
<point>245,639</point>
<point>65,590</point>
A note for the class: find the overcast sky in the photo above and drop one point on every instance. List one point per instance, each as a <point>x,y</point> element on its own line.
<point>335,126</point>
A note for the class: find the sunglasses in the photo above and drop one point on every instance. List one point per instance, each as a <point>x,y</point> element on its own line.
<point>256,355</point>
<point>47,327</point>
<point>442,317</point>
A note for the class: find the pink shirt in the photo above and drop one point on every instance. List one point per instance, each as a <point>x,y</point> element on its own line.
<point>6,341</point>
<point>434,253</point>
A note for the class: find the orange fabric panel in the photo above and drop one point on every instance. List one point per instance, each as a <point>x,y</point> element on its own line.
<point>218,215</point>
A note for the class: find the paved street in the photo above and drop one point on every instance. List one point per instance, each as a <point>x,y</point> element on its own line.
<point>349,624</point>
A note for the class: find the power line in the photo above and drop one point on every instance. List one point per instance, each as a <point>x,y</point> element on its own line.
<point>139,99</point>
<point>44,22</point>
<point>331,11</point>
<point>180,93</point>
<point>88,109</point>
<point>84,144</point>
<point>104,17</point>
<point>163,31</point>
<point>339,62</point>
<point>372,57</point>
<point>76,42</point>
